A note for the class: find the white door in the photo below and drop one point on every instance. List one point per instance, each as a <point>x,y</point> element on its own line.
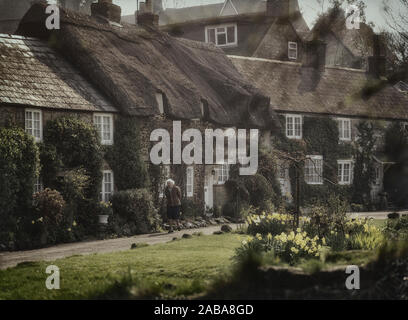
<point>208,192</point>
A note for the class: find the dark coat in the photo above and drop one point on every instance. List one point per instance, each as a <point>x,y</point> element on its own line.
<point>173,196</point>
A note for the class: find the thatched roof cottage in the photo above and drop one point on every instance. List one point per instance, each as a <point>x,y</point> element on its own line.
<point>94,65</point>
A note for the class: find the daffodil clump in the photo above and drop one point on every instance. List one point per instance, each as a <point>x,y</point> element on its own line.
<point>364,236</point>
<point>352,235</point>
<point>272,223</point>
<point>295,245</point>
<point>289,247</point>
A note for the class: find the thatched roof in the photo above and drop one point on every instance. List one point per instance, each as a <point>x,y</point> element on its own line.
<point>130,64</point>
<point>336,91</point>
<point>32,74</point>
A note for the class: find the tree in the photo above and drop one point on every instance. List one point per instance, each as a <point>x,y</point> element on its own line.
<point>396,37</point>
<point>396,177</point>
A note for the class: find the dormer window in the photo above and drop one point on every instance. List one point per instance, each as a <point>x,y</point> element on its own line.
<point>222,35</point>
<point>292,50</point>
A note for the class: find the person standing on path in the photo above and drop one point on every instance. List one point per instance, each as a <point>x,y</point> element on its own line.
<point>173,196</point>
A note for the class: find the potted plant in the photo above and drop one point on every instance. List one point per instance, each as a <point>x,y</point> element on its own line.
<point>104,212</point>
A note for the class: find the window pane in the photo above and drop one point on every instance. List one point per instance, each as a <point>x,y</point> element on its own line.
<point>221,39</point>
<point>298,127</point>
<point>231,34</point>
<point>346,126</point>
<point>289,126</point>
<point>339,172</point>
<point>211,35</point>
<point>346,172</point>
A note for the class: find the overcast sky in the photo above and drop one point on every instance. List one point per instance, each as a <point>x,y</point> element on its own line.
<point>310,8</point>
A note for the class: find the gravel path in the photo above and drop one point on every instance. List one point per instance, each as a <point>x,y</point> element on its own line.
<point>381,215</point>
<point>11,259</point>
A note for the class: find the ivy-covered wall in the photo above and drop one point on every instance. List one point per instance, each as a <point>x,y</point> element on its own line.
<point>320,137</point>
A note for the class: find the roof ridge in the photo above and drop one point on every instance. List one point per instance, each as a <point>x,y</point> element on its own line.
<point>264,60</point>
<point>293,63</point>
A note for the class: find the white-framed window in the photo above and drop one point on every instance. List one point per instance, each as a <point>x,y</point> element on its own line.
<point>344,129</point>
<point>345,171</point>
<point>107,185</point>
<point>222,173</point>
<point>104,126</point>
<point>190,182</point>
<point>314,170</point>
<point>222,35</point>
<point>292,50</point>
<point>294,126</point>
<point>38,185</point>
<point>33,124</point>
<point>165,173</point>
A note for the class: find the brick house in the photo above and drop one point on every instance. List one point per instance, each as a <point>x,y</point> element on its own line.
<point>330,66</point>
<point>98,69</point>
<point>259,28</point>
<point>299,91</point>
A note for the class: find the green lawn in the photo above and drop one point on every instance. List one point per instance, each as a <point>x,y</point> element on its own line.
<point>181,267</point>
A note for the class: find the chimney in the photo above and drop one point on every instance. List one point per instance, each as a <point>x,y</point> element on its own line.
<point>106,9</point>
<point>315,55</point>
<point>377,62</point>
<point>278,8</point>
<point>146,15</point>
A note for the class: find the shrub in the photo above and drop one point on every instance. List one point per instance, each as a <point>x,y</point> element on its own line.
<point>229,210</point>
<point>135,210</point>
<point>188,208</point>
<point>328,216</point>
<point>124,157</point>
<point>397,228</point>
<point>49,208</point>
<point>70,143</point>
<point>19,164</point>
<point>18,167</point>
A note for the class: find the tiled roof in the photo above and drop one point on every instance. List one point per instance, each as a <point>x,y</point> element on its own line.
<point>336,91</point>
<point>32,74</point>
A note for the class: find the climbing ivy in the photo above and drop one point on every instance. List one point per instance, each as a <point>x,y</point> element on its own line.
<point>125,157</point>
<point>320,137</point>
<point>396,177</point>
<point>71,143</point>
<point>364,163</point>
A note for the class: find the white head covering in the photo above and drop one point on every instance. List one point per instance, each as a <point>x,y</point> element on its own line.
<point>170,180</point>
